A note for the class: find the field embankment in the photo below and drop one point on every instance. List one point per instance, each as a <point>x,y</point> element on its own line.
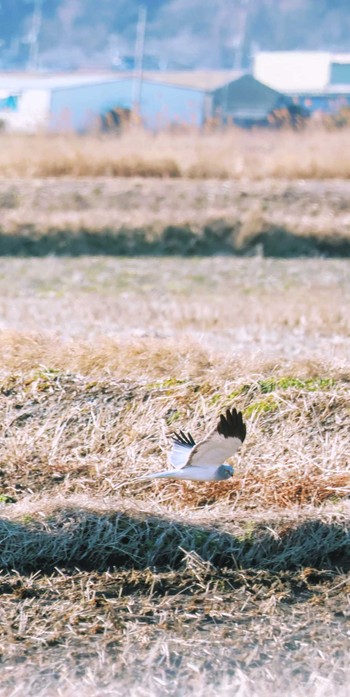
<point>132,217</point>
<point>65,435</point>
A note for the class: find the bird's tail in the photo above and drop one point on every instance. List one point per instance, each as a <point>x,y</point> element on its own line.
<point>157,475</point>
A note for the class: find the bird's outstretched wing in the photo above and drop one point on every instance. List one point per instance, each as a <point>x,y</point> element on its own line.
<point>221,443</point>
<point>182,446</point>
<point>204,461</point>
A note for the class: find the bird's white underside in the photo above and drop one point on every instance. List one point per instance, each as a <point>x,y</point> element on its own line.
<point>213,451</point>
<point>194,474</point>
<point>179,455</point>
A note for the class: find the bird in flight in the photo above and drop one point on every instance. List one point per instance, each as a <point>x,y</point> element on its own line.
<point>205,461</point>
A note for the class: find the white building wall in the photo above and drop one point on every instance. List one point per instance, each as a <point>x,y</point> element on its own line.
<point>293,71</point>
<point>32,113</point>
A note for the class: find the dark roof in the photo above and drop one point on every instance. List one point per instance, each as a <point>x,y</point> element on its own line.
<point>247,97</point>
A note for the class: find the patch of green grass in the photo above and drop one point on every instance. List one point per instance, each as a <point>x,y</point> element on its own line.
<point>42,379</point>
<point>46,372</point>
<point>165,384</point>
<point>248,532</point>
<point>4,498</point>
<point>284,383</point>
<point>173,416</point>
<point>172,382</point>
<point>230,398</point>
<point>262,406</point>
<point>335,499</point>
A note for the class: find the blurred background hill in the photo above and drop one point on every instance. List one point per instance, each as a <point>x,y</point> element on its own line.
<point>181,34</point>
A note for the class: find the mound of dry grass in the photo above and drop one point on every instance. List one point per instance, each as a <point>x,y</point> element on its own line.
<point>145,357</point>
<point>67,534</point>
<point>65,433</point>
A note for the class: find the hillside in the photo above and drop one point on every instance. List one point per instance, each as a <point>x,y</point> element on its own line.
<point>178,31</point>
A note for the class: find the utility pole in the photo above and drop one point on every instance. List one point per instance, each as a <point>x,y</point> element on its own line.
<point>241,36</point>
<point>34,35</point>
<point>139,54</point>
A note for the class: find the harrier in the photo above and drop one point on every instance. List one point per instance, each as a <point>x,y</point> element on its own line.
<point>205,461</point>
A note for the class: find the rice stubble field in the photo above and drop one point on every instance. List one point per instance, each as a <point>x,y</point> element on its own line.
<point>173,588</point>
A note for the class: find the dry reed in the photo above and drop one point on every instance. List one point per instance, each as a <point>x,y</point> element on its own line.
<point>313,153</point>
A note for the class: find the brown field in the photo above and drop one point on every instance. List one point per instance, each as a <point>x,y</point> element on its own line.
<point>115,587</point>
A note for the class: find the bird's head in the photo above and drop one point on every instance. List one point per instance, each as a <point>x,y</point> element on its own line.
<point>225,472</point>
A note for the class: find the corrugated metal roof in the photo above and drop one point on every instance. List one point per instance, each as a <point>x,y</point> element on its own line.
<point>20,81</point>
<point>293,71</point>
<point>203,80</point>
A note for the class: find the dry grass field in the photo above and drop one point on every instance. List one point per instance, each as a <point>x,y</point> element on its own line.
<point>278,194</point>
<point>114,587</point>
<point>240,587</point>
<point>314,153</point>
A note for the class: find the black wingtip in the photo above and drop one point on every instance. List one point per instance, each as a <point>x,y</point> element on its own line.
<point>231,425</point>
<point>183,439</point>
